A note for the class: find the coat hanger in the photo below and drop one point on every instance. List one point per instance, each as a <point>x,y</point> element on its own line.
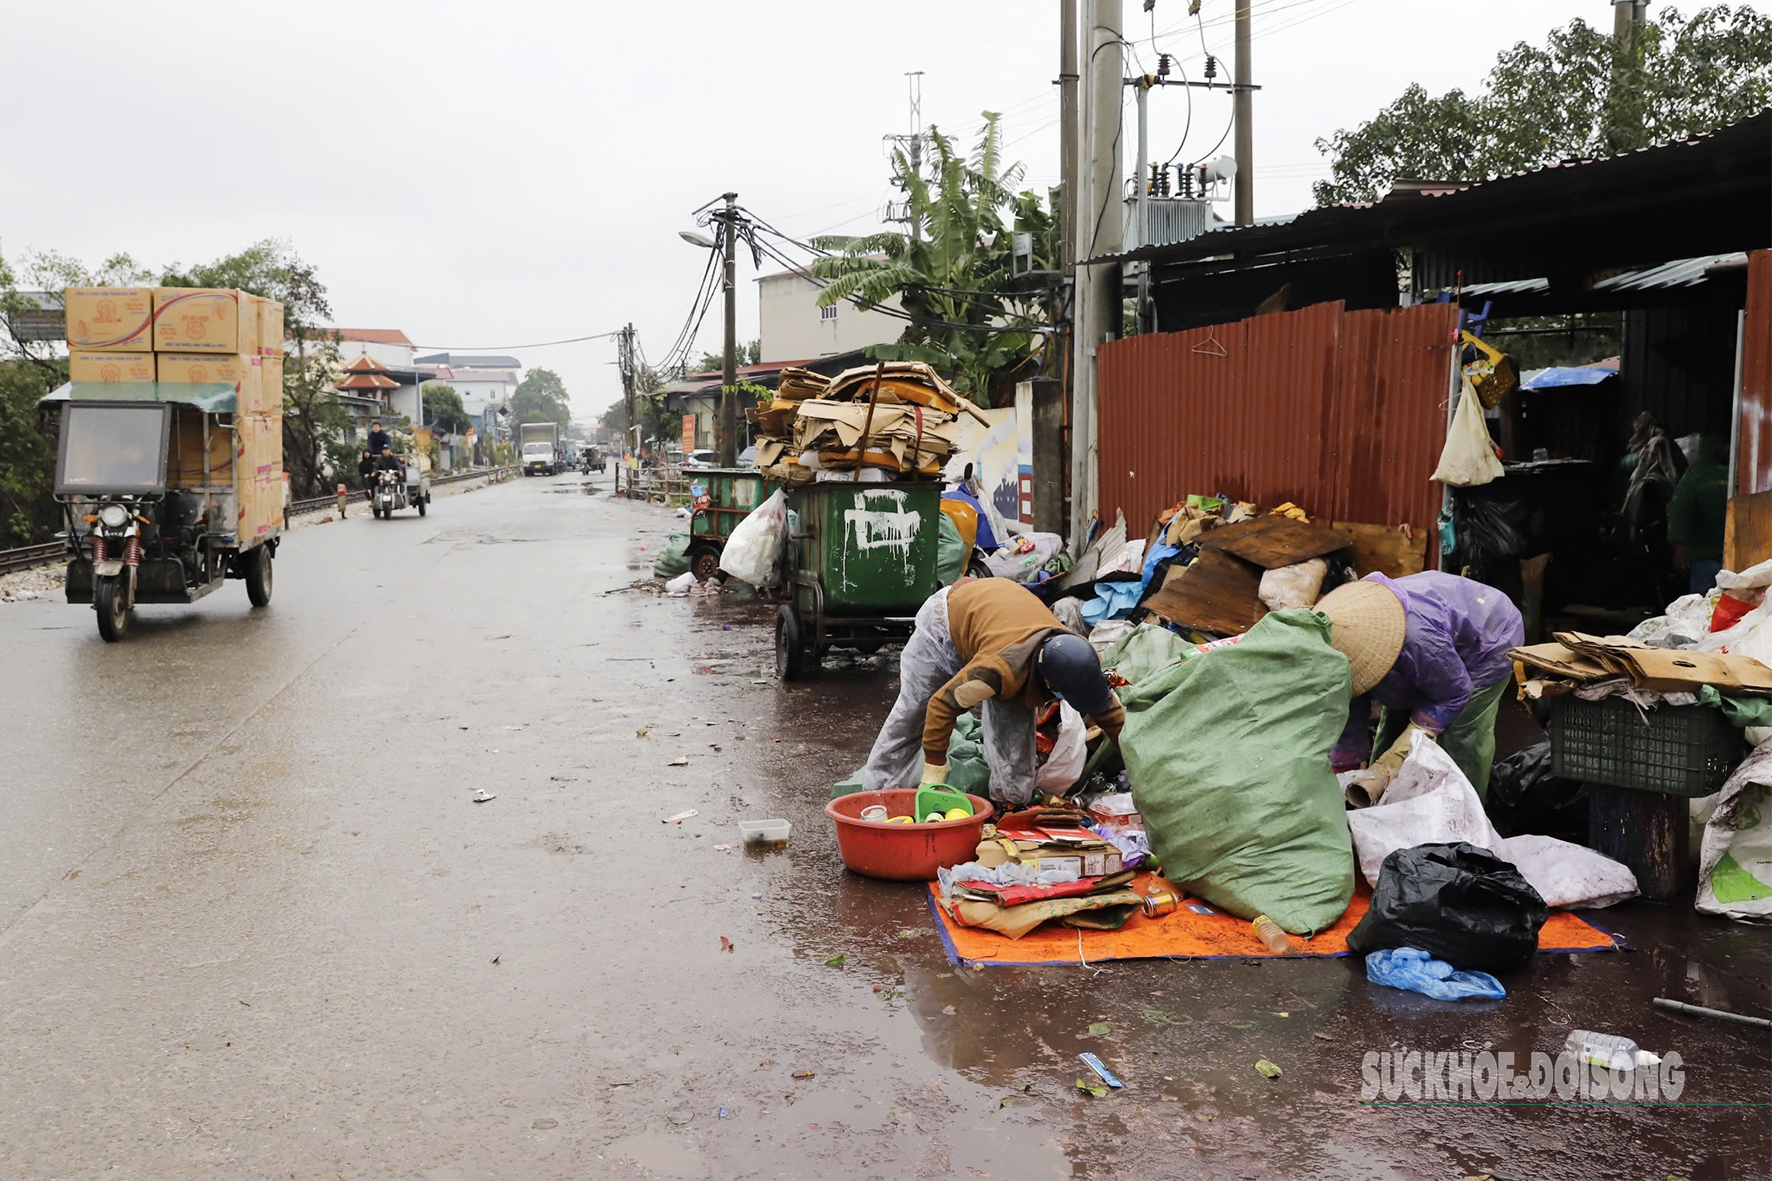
<point>1210,345</point>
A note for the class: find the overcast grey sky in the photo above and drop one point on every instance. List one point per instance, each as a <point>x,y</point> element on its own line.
<point>494,174</point>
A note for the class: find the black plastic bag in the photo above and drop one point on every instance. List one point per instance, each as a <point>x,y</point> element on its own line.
<point>1524,797</point>
<point>1456,902</point>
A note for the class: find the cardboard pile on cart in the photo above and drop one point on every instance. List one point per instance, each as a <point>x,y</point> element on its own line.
<point>889,421</point>
<point>198,336</point>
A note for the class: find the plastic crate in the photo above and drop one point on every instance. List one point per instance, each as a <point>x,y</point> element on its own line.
<point>1683,750</point>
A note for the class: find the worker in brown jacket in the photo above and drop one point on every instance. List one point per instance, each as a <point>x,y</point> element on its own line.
<point>986,644</point>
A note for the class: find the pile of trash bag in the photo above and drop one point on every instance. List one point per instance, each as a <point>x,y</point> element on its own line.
<point>675,559</point>
<point>1455,902</point>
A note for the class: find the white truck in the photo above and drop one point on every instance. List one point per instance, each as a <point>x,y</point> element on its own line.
<point>539,448</point>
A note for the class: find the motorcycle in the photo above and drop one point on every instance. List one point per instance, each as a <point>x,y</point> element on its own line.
<point>397,488</point>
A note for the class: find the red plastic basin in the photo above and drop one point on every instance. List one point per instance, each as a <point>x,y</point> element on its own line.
<point>902,852</point>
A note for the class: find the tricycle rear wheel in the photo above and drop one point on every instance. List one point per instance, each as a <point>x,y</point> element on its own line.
<point>258,576</point>
<point>791,652</point>
<point>704,562</point>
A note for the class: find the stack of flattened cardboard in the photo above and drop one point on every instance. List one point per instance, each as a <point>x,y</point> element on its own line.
<point>1546,670</point>
<point>1046,839</point>
<point>899,417</point>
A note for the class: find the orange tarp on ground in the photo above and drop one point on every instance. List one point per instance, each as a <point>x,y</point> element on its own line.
<point>1197,930</point>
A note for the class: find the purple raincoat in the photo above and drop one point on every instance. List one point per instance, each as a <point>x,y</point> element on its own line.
<point>1456,641</point>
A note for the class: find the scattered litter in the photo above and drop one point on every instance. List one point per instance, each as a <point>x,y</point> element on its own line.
<point>756,897</point>
<point>726,944</point>
<point>516,727</point>
<point>1005,1102</point>
<point>680,1116</point>
<point>640,733</point>
<point>764,832</point>
<point>914,932</point>
<point>729,846</point>
<point>1100,1029</point>
<point>679,761</point>
<point>482,796</point>
<point>720,1112</point>
<point>542,1125</point>
<point>1159,1017</point>
<point>948,1010</point>
<point>1266,1069</point>
<point>208,1043</point>
<point>1414,970</point>
<point>803,1074</point>
<point>1107,1076</point>
<point>1328,1037</point>
<point>680,817</point>
<point>497,958</point>
<point>1089,1088</point>
<point>836,961</point>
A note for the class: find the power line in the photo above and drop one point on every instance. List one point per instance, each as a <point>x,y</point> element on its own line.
<point>495,348</point>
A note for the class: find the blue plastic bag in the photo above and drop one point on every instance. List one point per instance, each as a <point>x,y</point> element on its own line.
<point>1414,969</point>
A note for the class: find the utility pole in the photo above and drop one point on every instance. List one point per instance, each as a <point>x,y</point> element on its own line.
<point>1243,101</point>
<point>726,436</point>
<point>1067,137</point>
<point>1625,130</point>
<point>625,358</point>
<point>913,147</point>
<point>1100,230</point>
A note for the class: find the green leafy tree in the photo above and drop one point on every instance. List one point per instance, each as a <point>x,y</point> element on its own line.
<point>27,455</point>
<point>748,354</point>
<point>1579,95</point>
<point>444,409</point>
<point>955,277</point>
<point>541,397</point>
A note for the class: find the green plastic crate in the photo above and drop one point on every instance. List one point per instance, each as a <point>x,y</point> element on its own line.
<point>1679,750</point>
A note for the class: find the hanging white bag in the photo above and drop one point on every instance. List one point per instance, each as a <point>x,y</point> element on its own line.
<point>756,544</point>
<point>1469,456</point>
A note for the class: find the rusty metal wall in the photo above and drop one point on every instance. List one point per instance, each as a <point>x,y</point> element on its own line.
<point>1342,413</point>
<point>1754,454</point>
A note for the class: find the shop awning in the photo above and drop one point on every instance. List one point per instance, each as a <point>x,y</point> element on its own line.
<point>211,397</point>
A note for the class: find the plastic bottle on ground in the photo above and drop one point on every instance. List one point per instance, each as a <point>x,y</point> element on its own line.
<point>1608,1050</point>
<point>1274,939</point>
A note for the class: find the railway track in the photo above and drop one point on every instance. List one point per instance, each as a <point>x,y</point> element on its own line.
<point>27,556</point>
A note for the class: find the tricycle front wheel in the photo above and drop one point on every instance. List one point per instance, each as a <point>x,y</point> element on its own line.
<point>113,613</point>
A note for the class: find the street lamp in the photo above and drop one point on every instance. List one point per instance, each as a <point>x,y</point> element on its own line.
<point>695,239</point>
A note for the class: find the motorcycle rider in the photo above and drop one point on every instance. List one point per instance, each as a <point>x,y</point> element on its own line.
<point>378,438</point>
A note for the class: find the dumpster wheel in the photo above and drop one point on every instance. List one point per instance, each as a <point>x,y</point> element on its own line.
<point>791,653</point>
<point>704,562</point>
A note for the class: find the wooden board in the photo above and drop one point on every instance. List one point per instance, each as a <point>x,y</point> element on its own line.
<point>1217,593</point>
<point>1747,538</point>
<point>1384,548</point>
<point>1274,541</point>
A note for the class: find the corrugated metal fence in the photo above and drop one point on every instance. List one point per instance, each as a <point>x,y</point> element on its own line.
<point>1754,457</point>
<point>1342,413</point>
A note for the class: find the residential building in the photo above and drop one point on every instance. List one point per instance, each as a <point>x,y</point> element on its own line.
<point>389,348</point>
<point>791,324</point>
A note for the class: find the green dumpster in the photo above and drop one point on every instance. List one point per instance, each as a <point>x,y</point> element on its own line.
<point>721,498</point>
<point>861,563</point>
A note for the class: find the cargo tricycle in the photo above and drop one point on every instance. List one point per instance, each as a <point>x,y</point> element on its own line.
<point>167,492</point>
<point>720,498</point>
<point>860,561</point>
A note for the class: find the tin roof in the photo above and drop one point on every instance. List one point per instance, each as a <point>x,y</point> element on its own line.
<point>1684,272</point>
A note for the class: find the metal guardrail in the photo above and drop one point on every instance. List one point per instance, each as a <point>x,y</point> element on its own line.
<point>321,503</point>
<point>27,556</point>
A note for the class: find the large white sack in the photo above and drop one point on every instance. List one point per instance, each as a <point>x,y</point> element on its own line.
<point>756,543</point>
<point>1469,456</point>
<point>1735,857</point>
<point>1431,802</point>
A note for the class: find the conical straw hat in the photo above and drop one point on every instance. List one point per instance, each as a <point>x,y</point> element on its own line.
<point>1368,629</point>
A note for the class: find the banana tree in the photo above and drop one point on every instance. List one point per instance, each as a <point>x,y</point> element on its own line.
<point>955,278</point>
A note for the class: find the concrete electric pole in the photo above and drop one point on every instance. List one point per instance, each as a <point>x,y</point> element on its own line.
<point>726,436</point>
<point>1067,137</point>
<point>1100,230</point>
<point>1243,100</point>
<point>625,358</point>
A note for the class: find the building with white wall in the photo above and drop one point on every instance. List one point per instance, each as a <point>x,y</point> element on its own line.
<point>792,327</point>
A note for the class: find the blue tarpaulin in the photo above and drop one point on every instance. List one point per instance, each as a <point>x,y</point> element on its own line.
<point>1544,379</point>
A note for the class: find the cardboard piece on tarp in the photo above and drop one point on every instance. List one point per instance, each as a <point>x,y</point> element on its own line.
<point>1217,592</point>
<point>1670,670</point>
<point>1016,921</point>
<point>1274,541</point>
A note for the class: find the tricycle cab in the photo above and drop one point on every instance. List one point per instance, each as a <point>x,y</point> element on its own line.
<point>166,492</point>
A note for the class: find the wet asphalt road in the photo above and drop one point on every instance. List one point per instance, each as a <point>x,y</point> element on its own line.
<point>251,922</point>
